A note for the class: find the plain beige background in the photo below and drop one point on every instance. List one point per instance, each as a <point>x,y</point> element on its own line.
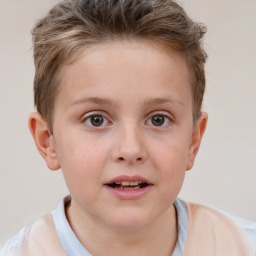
<point>224,175</point>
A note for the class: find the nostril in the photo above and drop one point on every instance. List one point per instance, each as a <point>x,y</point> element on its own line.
<point>130,159</point>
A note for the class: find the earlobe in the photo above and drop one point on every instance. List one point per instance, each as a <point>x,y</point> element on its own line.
<point>44,140</point>
<point>197,136</point>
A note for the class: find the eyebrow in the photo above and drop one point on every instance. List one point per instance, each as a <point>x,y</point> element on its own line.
<point>96,100</point>
<point>158,101</point>
<point>106,101</point>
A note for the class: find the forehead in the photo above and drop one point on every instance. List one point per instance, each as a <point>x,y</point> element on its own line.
<point>116,67</point>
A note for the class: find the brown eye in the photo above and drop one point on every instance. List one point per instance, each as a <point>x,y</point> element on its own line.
<point>96,120</point>
<point>159,120</point>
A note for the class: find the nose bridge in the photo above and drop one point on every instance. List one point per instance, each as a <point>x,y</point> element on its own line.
<point>130,145</point>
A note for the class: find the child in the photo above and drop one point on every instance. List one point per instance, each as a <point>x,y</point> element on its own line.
<point>118,89</point>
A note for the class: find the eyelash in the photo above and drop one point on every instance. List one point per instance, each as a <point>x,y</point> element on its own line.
<point>88,120</point>
<point>105,122</point>
<point>167,120</point>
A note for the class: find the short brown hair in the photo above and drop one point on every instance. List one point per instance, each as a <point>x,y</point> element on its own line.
<point>73,25</point>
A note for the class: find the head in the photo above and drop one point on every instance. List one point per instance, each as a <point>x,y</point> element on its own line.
<point>75,25</point>
<point>118,89</point>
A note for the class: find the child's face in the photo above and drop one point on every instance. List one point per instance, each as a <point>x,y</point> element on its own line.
<point>124,113</point>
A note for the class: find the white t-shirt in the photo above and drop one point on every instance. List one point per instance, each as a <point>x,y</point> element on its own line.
<point>72,246</point>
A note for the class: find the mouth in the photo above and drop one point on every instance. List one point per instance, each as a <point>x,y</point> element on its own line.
<point>128,185</point>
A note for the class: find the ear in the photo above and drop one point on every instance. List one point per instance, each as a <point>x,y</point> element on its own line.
<point>44,140</point>
<point>197,136</point>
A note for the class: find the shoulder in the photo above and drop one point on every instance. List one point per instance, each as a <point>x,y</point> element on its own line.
<point>38,238</point>
<point>212,233</point>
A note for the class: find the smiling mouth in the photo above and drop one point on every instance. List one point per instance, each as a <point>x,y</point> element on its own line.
<point>128,185</point>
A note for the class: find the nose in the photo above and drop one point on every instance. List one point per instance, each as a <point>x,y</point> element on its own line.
<point>129,146</point>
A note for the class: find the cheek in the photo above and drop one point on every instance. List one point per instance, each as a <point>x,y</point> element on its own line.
<point>170,155</point>
<point>78,150</point>
<point>82,166</point>
<point>170,158</point>
<point>171,170</point>
<point>81,160</point>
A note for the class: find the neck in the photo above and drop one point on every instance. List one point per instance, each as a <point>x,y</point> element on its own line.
<point>157,238</point>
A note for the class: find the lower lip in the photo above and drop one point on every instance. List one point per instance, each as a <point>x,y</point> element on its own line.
<point>132,194</point>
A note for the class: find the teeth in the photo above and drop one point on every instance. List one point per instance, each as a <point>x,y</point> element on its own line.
<point>125,183</point>
<point>131,188</point>
<point>134,183</point>
<point>129,183</point>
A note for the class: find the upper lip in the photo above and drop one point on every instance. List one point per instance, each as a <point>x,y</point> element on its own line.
<point>129,178</point>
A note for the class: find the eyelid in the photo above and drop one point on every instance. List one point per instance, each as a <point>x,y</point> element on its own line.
<point>95,113</point>
<point>161,113</point>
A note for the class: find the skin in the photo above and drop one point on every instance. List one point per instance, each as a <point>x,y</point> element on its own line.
<point>126,83</point>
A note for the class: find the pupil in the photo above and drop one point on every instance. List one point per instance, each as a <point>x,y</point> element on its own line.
<point>158,120</point>
<point>97,120</point>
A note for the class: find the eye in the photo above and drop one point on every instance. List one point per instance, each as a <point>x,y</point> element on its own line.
<point>96,121</point>
<point>159,120</point>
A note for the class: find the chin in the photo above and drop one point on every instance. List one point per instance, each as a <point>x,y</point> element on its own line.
<point>130,221</point>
